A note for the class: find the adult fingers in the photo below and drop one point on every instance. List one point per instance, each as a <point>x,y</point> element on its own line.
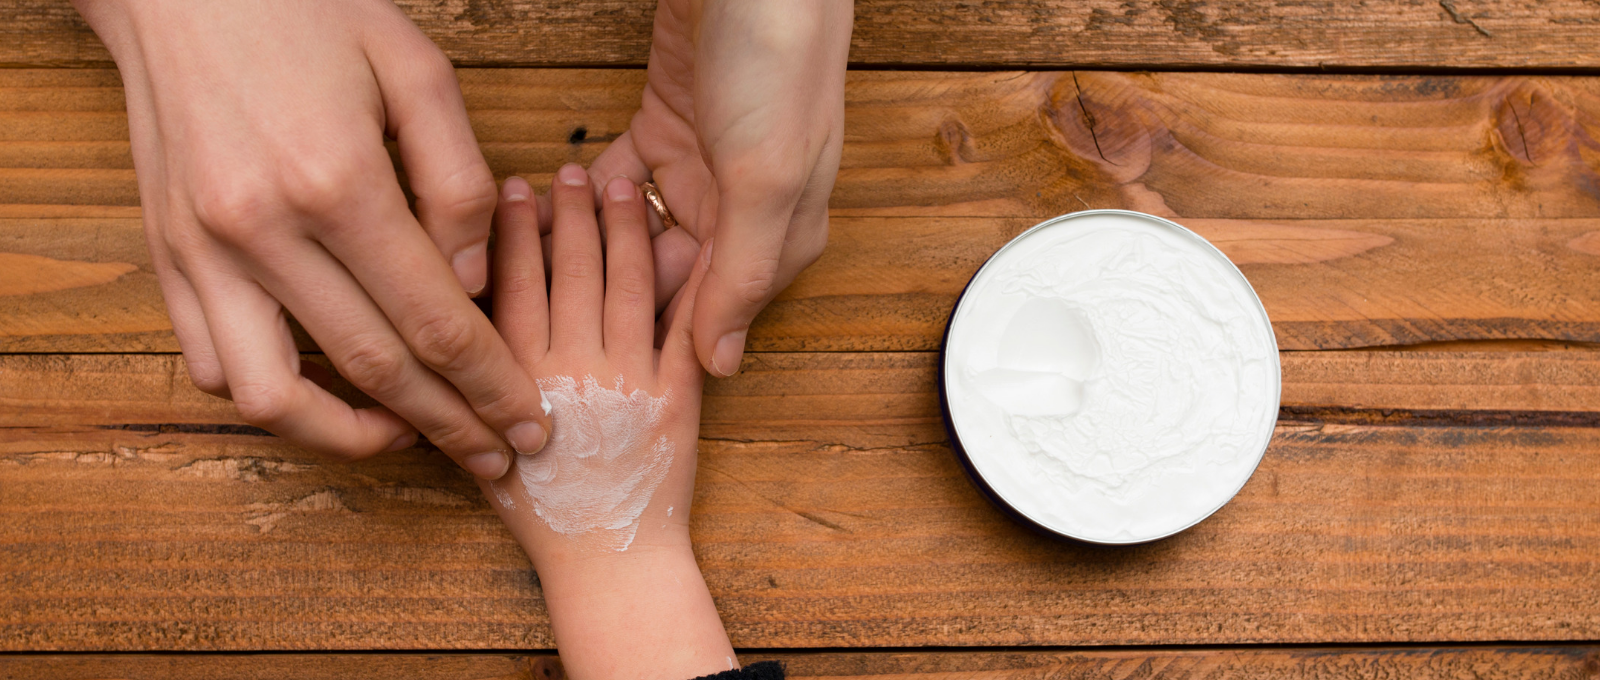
<point>350,327</point>
<point>630,304</point>
<point>577,275</point>
<point>370,231</point>
<point>263,371</point>
<point>675,252</point>
<point>620,159</point>
<point>189,324</point>
<point>521,309</point>
<point>427,116</point>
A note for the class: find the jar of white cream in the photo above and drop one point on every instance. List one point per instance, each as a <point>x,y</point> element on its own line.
<point>1109,376</point>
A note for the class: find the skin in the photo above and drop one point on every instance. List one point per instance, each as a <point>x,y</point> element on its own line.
<point>266,189</point>
<point>266,192</point>
<point>741,126</point>
<point>599,320</point>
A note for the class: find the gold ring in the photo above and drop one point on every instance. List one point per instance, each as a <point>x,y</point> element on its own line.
<point>652,194</point>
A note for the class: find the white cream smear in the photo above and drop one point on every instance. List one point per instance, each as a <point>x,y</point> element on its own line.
<point>600,469</point>
<point>1112,377</point>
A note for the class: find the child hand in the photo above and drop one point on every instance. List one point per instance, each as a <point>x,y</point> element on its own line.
<point>619,467</point>
<point>603,509</point>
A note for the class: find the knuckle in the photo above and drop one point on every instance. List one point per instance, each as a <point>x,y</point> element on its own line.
<point>813,240</point>
<point>807,246</point>
<point>186,241</point>
<point>207,377</point>
<point>445,342</point>
<point>580,267</point>
<point>465,196</point>
<point>458,439</point>
<point>317,184</point>
<point>230,211</point>
<point>344,451</point>
<point>630,288</point>
<point>517,285</point>
<point>433,64</point>
<point>439,77</point>
<point>757,281</point>
<point>262,404</point>
<point>761,175</point>
<point>374,367</point>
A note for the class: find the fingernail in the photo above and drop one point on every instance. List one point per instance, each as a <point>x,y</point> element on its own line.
<point>730,351</point>
<point>572,175</point>
<point>516,189</point>
<point>491,465</point>
<point>405,441</point>
<point>705,253</point>
<point>621,189</point>
<point>472,267</point>
<point>527,438</point>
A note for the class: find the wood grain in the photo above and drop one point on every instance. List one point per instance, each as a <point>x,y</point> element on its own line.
<point>1123,34</point>
<point>278,666</point>
<point>829,512</point>
<point>1553,381</point>
<point>1576,662</point>
<point>1367,211</point>
<point>1419,498</point>
<point>1568,663</point>
<point>864,399</point>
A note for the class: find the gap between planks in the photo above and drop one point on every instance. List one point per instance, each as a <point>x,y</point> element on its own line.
<point>129,389</point>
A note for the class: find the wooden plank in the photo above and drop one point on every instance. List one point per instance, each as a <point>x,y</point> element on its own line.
<point>278,666</point>
<point>1235,663</point>
<point>1419,663</point>
<point>864,400</point>
<point>829,512</point>
<point>1443,381</point>
<point>1367,211</point>
<point>1124,34</point>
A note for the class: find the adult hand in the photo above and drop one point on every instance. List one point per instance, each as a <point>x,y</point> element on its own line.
<point>258,136</point>
<point>741,127</point>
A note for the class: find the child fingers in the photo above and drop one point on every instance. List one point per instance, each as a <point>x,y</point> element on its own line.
<point>521,310</point>
<point>577,275</point>
<point>679,365</point>
<point>630,277</point>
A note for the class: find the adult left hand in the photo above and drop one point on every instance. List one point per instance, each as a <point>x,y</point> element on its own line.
<point>741,127</point>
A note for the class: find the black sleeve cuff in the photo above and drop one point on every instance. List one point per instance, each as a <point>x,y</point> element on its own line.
<point>763,670</point>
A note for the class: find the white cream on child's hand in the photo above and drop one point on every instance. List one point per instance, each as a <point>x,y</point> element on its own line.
<point>600,469</point>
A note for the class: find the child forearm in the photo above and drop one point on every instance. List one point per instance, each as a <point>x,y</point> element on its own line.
<point>640,613</point>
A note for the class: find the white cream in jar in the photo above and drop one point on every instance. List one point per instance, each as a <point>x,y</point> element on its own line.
<point>1111,377</point>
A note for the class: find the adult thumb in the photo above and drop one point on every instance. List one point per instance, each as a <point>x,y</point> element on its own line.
<point>761,247</point>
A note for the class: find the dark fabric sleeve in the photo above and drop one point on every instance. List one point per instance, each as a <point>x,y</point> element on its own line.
<point>763,670</point>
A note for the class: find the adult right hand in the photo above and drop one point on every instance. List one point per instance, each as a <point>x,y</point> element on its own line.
<point>258,138</point>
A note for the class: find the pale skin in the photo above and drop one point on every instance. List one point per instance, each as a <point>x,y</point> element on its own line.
<point>741,126</point>
<point>642,612</point>
<point>257,132</point>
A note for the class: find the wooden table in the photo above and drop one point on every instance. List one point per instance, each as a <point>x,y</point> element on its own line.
<point>1412,187</point>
